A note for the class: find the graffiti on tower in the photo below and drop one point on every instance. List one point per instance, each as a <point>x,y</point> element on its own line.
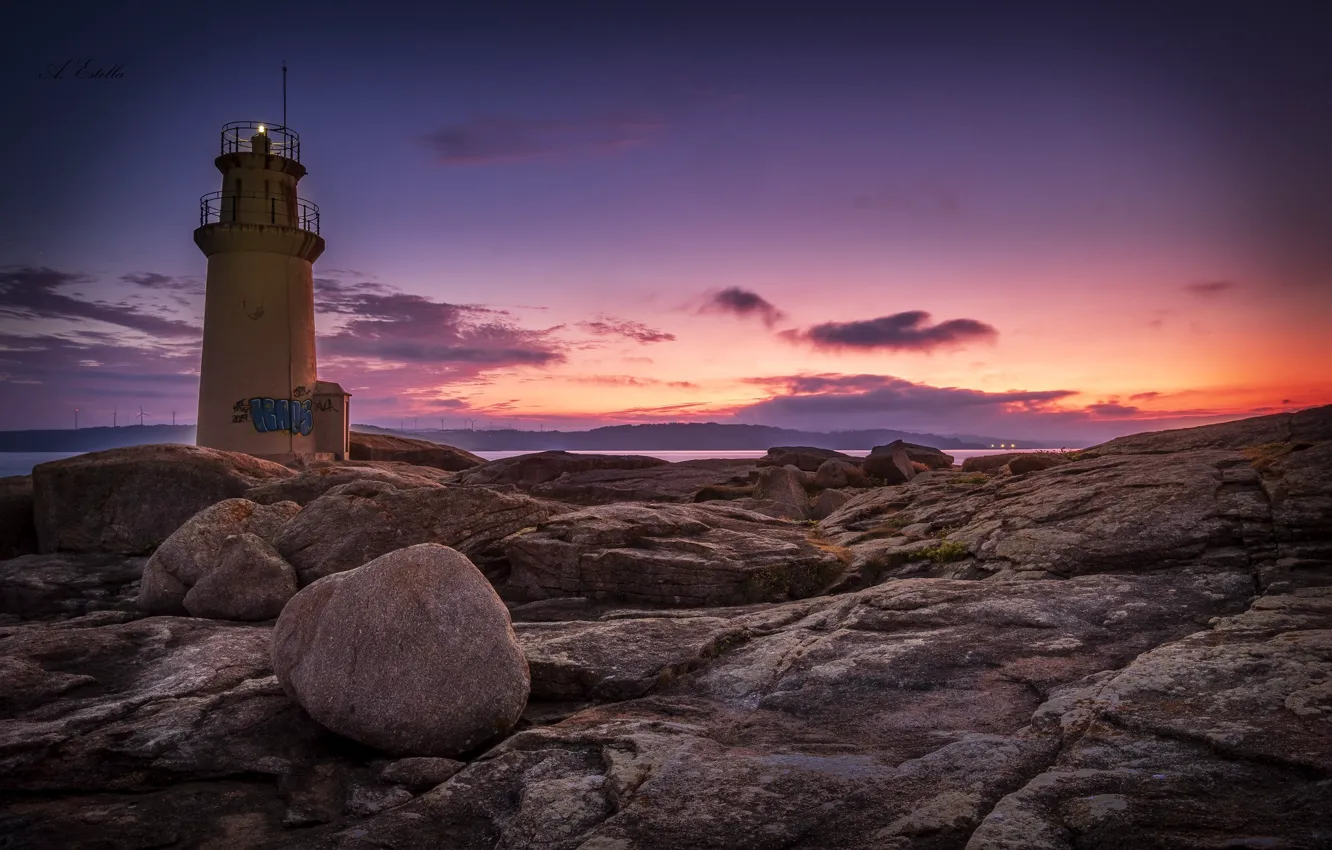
<point>275,414</point>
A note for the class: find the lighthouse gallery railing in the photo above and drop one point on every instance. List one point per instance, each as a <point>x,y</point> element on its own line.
<point>282,141</point>
<point>258,208</point>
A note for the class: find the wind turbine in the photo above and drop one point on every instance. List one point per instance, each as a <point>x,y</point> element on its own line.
<point>114,411</point>
<point>141,415</point>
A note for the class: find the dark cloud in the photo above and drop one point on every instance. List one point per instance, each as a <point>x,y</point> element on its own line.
<point>742,302</point>
<point>829,395</point>
<point>898,332</point>
<point>494,139</point>
<point>922,198</point>
<point>31,293</point>
<point>637,331</point>
<point>1144,396</point>
<point>831,402</point>
<point>380,324</point>
<point>412,329</point>
<point>1209,288</point>
<point>152,280</point>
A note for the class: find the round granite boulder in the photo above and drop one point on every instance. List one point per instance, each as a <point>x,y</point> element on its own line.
<point>250,582</point>
<point>412,653</point>
<point>195,549</point>
<point>890,463</point>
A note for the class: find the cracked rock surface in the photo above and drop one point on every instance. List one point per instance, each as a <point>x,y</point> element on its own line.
<point>1129,649</point>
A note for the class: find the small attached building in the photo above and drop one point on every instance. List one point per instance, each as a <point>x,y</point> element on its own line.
<point>332,419</point>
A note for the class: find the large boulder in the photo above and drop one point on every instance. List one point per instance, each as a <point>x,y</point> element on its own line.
<point>807,458</point>
<point>834,473</point>
<point>1034,462</point>
<point>539,467</point>
<point>406,450</point>
<point>672,482</point>
<point>711,553</point>
<point>989,463</point>
<point>413,654</point>
<point>250,582</point>
<point>931,457</point>
<point>785,486</point>
<point>310,484</point>
<point>353,524</point>
<point>195,549</point>
<point>129,500</point>
<point>18,532</point>
<point>827,502</point>
<point>890,463</point>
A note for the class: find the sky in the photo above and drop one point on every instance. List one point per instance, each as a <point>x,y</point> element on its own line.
<point>1024,220</point>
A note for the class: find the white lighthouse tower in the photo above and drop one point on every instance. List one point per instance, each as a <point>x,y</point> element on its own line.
<point>258,389</point>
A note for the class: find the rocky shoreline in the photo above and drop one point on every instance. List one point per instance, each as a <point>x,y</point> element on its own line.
<point>1127,646</point>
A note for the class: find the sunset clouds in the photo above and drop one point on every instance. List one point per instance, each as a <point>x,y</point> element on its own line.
<point>1013,223</point>
<point>909,331</point>
<point>40,293</point>
<point>626,328</point>
<point>741,302</point>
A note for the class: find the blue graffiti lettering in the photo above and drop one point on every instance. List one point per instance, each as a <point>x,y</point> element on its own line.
<point>302,419</point>
<point>270,414</point>
<point>280,414</point>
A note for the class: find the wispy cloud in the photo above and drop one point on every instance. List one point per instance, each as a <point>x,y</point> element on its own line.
<point>1111,409</point>
<point>487,139</point>
<point>33,293</point>
<point>153,280</point>
<point>627,328</point>
<point>1209,288</point>
<point>629,381</point>
<point>930,197</point>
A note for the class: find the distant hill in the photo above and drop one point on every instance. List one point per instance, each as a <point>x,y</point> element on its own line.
<point>674,436</point>
<point>93,439</point>
<point>688,436</point>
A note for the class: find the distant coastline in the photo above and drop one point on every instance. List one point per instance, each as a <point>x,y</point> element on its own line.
<point>613,438</point>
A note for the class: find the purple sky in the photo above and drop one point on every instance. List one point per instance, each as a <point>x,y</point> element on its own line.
<point>1025,220</point>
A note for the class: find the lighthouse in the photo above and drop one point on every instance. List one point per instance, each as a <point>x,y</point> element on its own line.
<point>259,391</point>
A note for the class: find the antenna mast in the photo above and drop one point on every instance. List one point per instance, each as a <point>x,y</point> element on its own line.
<point>284,94</point>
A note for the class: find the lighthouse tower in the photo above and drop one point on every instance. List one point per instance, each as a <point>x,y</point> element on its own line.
<point>257,380</point>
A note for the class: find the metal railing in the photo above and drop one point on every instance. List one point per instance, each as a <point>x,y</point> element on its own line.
<point>258,208</point>
<point>282,141</point>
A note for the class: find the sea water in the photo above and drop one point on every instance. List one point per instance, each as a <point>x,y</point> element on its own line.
<point>21,463</point>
